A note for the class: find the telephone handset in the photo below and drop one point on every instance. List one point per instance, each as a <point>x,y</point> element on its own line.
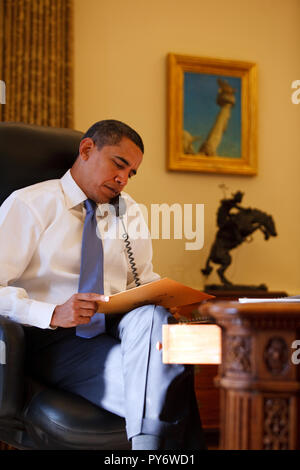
<point>120,208</point>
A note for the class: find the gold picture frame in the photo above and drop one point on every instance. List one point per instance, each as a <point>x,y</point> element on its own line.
<point>212,122</point>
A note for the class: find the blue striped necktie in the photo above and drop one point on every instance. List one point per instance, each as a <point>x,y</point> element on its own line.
<point>91,269</point>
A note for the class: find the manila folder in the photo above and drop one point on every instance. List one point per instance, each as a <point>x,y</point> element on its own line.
<point>165,292</point>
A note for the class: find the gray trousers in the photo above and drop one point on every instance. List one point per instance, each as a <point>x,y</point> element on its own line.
<point>122,371</point>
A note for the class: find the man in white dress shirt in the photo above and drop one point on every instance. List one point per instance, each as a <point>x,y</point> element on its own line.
<point>120,370</point>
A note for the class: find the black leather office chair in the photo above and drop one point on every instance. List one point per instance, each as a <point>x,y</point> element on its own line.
<point>33,416</point>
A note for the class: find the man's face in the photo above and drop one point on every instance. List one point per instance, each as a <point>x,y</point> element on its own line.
<point>104,173</point>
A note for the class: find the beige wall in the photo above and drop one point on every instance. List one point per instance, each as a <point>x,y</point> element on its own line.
<point>120,56</point>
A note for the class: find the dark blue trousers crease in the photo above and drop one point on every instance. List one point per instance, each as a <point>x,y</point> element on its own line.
<point>122,371</point>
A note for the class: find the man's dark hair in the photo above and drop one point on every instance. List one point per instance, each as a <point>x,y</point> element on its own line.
<point>110,132</point>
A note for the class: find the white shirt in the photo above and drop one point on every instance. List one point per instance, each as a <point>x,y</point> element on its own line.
<point>40,237</point>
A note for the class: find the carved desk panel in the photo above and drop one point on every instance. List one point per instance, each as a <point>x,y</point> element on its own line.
<point>259,378</point>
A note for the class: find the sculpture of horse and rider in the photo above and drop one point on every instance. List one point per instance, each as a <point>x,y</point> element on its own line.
<point>234,228</point>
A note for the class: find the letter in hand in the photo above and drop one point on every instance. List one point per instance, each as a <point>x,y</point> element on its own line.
<point>78,310</point>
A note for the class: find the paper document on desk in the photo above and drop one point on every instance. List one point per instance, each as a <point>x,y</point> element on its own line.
<point>246,300</point>
<point>164,292</point>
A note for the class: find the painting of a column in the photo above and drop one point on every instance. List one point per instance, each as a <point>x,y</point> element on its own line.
<point>211,115</point>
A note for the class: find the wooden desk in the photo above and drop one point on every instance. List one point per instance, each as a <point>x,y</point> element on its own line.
<point>259,380</point>
<point>230,294</point>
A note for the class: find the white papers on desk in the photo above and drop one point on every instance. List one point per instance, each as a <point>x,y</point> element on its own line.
<point>247,300</point>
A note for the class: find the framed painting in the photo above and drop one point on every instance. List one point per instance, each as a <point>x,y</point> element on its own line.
<point>212,123</point>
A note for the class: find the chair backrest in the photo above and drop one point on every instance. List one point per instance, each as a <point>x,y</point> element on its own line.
<point>30,154</point>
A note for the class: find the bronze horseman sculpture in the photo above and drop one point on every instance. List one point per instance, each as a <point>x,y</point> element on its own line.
<point>233,229</point>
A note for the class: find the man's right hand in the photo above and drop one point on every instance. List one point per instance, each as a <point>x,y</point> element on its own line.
<point>78,310</point>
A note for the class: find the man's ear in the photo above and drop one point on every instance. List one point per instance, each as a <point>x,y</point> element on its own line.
<point>85,147</point>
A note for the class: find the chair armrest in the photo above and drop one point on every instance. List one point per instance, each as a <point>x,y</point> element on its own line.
<point>12,350</point>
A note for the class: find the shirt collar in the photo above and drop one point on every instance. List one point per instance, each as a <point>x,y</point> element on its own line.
<point>73,193</point>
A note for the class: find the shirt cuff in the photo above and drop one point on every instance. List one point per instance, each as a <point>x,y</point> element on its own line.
<point>40,314</point>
